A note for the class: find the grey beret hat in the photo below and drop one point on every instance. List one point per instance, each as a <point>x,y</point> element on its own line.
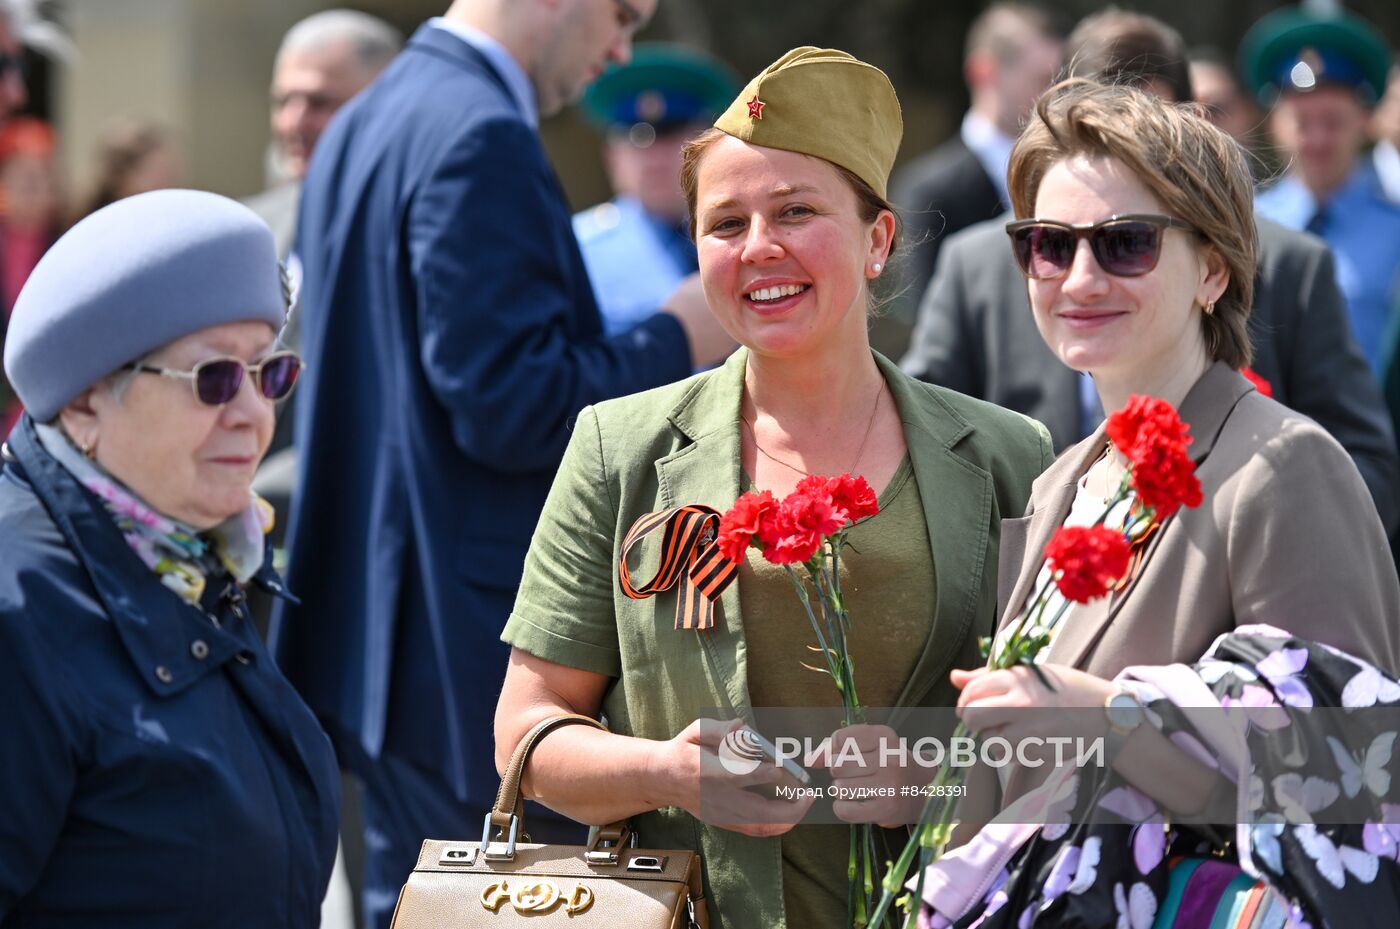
<point>131,277</point>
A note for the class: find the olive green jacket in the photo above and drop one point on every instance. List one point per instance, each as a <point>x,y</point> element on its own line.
<point>679,444</point>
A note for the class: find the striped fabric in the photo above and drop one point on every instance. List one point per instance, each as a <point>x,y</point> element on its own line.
<point>689,556</point>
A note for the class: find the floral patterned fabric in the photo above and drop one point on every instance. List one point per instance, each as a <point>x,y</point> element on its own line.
<point>180,556</point>
<point>1104,861</point>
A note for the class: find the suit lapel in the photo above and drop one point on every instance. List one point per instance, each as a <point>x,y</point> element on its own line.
<point>1206,408</point>
<point>709,471</point>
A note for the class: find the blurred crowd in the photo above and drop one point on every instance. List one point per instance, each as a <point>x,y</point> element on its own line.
<point>408,433</point>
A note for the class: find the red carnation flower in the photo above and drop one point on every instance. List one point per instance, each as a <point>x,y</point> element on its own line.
<point>747,518</point>
<point>1261,385</point>
<point>853,495</point>
<point>806,517</point>
<point>1089,560</point>
<point>1150,434</point>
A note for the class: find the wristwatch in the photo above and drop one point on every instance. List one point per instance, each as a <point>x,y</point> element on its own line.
<point>1124,713</point>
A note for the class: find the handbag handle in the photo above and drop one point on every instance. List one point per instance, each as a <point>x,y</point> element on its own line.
<point>508,814</point>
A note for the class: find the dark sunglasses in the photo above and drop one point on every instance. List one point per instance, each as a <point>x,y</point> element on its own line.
<point>1124,246</point>
<point>216,380</point>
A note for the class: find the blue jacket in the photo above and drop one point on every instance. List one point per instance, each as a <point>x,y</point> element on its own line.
<point>157,769</point>
<point>451,335</point>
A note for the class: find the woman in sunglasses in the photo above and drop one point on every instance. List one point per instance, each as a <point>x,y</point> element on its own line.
<point>159,770</point>
<point>1139,254</point>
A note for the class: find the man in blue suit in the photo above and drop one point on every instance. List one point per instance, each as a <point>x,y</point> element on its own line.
<point>451,334</point>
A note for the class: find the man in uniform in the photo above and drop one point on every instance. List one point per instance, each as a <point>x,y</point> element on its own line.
<point>1385,129</point>
<point>1323,75</point>
<point>637,246</point>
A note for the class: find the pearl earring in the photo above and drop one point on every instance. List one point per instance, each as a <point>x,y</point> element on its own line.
<point>876,267</point>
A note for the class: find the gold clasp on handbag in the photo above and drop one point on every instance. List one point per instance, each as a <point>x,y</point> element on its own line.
<point>580,900</point>
<point>492,897</point>
<point>535,897</point>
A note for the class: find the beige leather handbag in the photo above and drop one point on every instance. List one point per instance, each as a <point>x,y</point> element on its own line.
<point>500,881</point>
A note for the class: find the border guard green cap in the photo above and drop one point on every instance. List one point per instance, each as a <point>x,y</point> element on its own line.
<point>664,85</point>
<point>1296,50</point>
<point>825,103</point>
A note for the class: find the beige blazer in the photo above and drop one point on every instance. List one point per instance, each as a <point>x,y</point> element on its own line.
<point>1287,535</point>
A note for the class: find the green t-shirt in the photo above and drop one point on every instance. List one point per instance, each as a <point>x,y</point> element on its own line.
<point>888,582</point>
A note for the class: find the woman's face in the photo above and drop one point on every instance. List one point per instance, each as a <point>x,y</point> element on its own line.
<point>1126,328</point>
<point>190,461</point>
<point>784,256</point>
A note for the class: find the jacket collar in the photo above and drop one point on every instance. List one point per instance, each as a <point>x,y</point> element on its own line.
<point>1205,410</point>
<point>957,497</point>
<point>445,44</point>
<point>157,629</point>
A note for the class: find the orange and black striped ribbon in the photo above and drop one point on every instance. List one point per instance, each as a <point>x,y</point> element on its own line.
<point>689,557</point>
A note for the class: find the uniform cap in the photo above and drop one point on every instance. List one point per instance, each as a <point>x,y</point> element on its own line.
<point>825,103</point>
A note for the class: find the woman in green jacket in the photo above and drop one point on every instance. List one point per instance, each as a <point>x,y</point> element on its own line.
<point>787,199</point>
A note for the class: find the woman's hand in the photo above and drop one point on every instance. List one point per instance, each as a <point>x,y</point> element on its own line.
<point>689,775</point>
<point>869,788</point>
<point>1014,704</point>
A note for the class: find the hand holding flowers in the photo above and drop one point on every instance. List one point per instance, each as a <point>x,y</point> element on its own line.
<point>806,533</point>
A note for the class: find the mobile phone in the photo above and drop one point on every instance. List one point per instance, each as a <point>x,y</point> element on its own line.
<point>744,750</point>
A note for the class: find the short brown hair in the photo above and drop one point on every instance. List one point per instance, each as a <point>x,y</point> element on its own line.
<point>869,204</point>
<point>1197,172</point>
<point>1118,47</point>
<point>1001,30</point>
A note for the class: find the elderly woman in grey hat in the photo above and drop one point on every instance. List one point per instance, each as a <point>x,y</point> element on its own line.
<point>159,770</point>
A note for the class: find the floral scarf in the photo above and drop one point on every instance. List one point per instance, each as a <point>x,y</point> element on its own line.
<point>1108,864</point>
<point>182,557</point>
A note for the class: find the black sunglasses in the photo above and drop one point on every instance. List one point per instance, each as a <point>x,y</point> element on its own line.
<point>216,380</point>
<point>1126,245</point>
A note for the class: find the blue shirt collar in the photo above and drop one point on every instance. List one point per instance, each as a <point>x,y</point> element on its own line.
<point>517,82</point>
<point>992,147</point>
<point>1292,204</point>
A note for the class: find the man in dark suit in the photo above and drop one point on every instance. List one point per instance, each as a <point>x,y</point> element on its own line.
<point>1011,55</point>
<point>451,335</point>
<point>976,333</point>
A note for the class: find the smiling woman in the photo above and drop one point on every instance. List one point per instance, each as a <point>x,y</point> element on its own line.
<point>141,708</point>
<point>787,198</point>
<point>1137,239</point>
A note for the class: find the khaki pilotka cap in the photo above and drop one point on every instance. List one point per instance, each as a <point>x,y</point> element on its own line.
<point>825,103</point>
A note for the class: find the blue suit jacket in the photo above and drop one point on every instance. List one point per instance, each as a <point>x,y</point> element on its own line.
<point>451,335</point>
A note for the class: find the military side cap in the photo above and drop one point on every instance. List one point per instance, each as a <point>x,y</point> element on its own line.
<point>1295,50</point>
<point>664,85</point>
<point>131,277</point>
<point>825,103</point>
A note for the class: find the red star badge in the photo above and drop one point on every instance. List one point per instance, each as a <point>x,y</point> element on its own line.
<point>756,108</point>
